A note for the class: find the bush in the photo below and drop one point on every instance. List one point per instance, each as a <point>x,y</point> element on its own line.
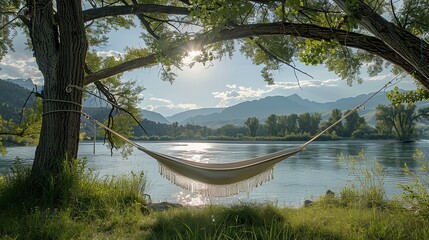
<point>367,187</point>
<point>416,195</point>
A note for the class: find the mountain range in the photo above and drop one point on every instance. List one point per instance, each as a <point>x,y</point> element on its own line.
<point>279,105</point>
<point>261,108</point>
<point>12,99</point>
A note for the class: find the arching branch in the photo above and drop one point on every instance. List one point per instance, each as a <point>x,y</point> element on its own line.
<point>111,11</point>
<point>370,44</point>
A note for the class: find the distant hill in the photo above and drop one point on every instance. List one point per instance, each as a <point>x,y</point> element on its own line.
<point>284,105</point>
<point>12,99</point>
<point>153,116</point>
<point>101,113</point>
<point>25,83</point>
<point>13,96</point>
<point>182,116</point>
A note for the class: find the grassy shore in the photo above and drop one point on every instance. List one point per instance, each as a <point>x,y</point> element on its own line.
<point>88,207</point>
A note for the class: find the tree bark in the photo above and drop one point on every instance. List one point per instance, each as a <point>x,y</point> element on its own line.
<point>410,48</point>
<point>96,13</point>
<point>60,46</point>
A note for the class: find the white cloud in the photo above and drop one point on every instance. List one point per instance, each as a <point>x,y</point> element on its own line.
<point>283,85</point>
<point>236,93</point>
<point>160,100</point>
<point>379,77</point>
<point>331,82</point>
<point>23,65</point>
<point>304,83</point>
<point>111,53</point>
<point>19,65</point>
<point>165,103</point>
<point>150,108</point>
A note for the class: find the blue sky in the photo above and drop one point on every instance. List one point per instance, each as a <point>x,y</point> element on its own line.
<point>223,83</point>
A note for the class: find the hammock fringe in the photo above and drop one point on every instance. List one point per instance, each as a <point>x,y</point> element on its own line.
<point>235,177</point>
<point>214,190</point>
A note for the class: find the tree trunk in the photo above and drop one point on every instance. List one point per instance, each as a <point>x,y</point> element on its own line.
<point>59,45</point>
<point>413,50</point>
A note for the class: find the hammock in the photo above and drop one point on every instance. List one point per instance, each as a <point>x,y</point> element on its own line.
<point>222,179</point>
<point>219,179</point>
<point>214,179</point>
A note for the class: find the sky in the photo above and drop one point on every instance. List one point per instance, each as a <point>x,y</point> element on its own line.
<point>220,84</point>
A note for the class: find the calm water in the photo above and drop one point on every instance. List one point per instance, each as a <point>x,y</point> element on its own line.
<point>306,175</point>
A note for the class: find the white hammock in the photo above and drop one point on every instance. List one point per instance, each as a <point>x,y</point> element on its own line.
<point>223,179</point>
<point>214,179</point>
<point>219,179</point>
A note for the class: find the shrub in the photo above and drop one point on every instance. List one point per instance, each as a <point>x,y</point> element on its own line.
<point>416,194</point>
<point>367,187</point>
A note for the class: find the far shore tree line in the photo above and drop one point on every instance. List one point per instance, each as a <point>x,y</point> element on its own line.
<point>403,122</point>
<point>393,121</point>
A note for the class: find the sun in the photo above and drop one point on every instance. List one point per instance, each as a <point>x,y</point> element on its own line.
<point>193,54</point>
<point>190,56</point>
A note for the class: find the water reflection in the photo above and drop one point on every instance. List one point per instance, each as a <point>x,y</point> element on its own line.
<point>197,152</point>
<point>305,175</point>
<point>190,199</point>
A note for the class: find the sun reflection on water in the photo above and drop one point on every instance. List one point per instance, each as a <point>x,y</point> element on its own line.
<point>192,147</point>
<point>197,152</point>
<point>191,199</point>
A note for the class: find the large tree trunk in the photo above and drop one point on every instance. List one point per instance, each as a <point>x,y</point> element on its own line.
<point>59,45</point>
<point>413,50</point>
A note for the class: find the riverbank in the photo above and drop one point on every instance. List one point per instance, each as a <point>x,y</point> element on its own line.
<point>219,222</point>
<point>304,176</point>
<point>82,206</point>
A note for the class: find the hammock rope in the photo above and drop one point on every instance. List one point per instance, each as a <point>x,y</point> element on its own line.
<point>221,179</point>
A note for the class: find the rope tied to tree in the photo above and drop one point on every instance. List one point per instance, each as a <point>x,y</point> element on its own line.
<point>61,110</point>
<point>391,82</point>
<point>221,179</point>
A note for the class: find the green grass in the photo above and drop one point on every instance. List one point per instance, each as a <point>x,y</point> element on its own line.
<point>79,204</point>
<point>114,208</point>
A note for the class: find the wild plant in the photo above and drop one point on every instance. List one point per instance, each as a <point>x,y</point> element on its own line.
<point>416,194</point>
<point>366,189</point>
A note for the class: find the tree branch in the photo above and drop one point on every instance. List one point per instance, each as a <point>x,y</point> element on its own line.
<point>144,21</point>
<point>392,6</point>
<point>110,11</point>
<point>274,56</point>
<point>410,48</point>
<point>8,23</point>
<point>370,44</point>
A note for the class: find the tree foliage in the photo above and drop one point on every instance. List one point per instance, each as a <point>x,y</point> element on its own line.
<point>252,123</point>
<point>335,116</point>
<point>66,36</point>
<point>309,123</point>
<point>354,122</point>
<point>401,118</point>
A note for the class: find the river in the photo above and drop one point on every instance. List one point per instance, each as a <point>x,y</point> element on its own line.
<point>305,175</point>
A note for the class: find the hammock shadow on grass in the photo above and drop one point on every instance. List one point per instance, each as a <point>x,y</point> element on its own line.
<point>244,221</point>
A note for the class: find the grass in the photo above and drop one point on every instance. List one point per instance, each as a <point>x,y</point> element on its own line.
<point>78,205</point>
<point>114,208</point>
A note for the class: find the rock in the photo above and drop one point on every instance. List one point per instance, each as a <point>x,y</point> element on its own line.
<point>329,193</point>
<point>308,203</point>
<point>162,206</point>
